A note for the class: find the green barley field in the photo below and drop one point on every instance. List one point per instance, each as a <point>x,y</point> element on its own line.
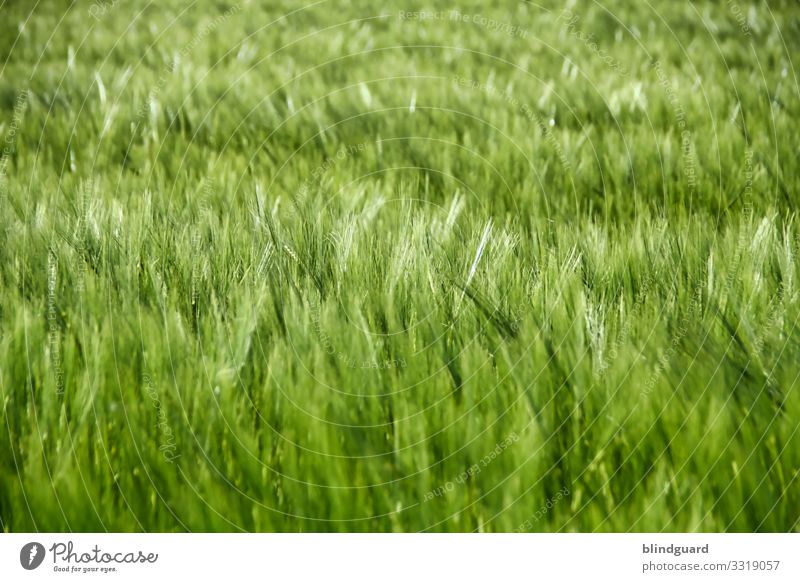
<point>395,267</point>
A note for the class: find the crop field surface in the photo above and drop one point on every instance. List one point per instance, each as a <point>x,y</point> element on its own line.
<point>395,267</point>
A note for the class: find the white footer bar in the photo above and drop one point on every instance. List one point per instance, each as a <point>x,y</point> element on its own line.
<point>400,557</point>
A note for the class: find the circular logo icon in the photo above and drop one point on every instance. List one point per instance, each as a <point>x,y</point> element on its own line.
<point>31,555</point>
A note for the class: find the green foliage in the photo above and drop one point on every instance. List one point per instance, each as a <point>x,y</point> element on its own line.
<point>305,269</point>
